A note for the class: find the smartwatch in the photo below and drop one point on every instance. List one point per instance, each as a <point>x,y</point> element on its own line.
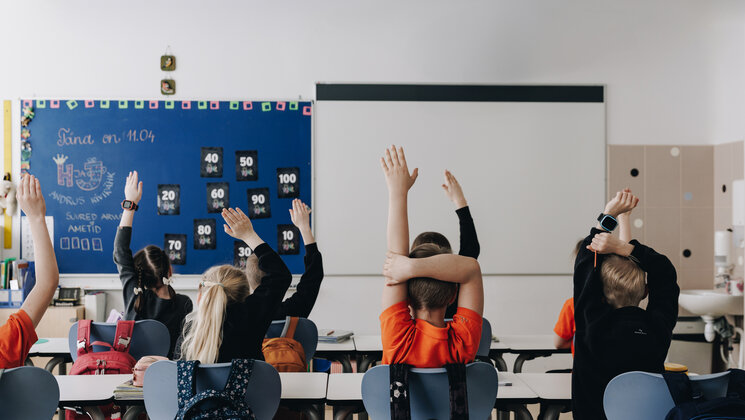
<point>129,205</point>
<point>607,222</point>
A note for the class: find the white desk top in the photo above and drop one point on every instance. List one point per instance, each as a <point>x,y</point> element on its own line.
<point>518,390</point>
<point>343,346</point>
<point>303,385</point>
<point>368,343</point>
<point>89,387</point>
<point>345,387</point>
<point>549,386</point>
<point>54,346</point>
<point>518,343</point>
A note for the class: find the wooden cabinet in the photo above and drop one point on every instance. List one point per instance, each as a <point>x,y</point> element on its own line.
<point>56,321</point>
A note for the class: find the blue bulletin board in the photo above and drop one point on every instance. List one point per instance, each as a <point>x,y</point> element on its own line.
<point>194,157</point>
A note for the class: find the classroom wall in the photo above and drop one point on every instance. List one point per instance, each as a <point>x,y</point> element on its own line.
<point>672,70</point>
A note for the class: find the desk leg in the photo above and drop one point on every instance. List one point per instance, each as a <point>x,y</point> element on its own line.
<point>54,362</point>
<point>314,412</point>
<point>132,412</point>
<point>28,362</point>
<point>346,364</point>
<point>522,358</point>
<point>343,413</point>
<point>552,412</point>
<point>500,363</point>
<point>522,413</point>
<point>94,412</point>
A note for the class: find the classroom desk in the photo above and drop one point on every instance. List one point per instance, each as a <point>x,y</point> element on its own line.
<point>370,349</point>
<point>56,348</point>
<point>553,389</point>
<point>341,352</point>
<point>345,392</point>
<point>528,347</point>
<point>305,391</point>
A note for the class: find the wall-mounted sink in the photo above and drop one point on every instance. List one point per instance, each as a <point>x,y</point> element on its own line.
<point>710,303</point>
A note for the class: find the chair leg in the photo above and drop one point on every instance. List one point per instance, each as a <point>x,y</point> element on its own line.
<point>552,412</point>
<point>343,413</point>
<point>314,412</point>
<point>94,413</point>
<point>132,412</point>
<point>54,362</point>
<point>520,360</point>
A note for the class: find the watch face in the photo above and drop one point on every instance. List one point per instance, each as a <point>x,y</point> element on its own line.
<point>608,223</point>
<point>128,205</point>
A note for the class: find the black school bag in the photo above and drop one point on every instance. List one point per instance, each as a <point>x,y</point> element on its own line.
<point>228,404</point>
<point>689,406</point>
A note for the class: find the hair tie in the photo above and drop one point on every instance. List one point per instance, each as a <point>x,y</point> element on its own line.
<point>137,290</point>
<point>167,281</point>
<point>211,283</point>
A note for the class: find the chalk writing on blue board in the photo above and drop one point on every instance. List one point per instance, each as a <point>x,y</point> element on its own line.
<point>89,177</point>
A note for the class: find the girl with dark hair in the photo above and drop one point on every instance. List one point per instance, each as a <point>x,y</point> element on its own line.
<point>146,277</point>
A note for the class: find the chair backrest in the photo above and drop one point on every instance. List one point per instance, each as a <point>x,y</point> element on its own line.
<point>149,338</point>
<point>28,393</point>
<point>161,389</point>
<point>306,334</point>
<point>429,392</point>
<point>485,343</point>
<point>644,396</point>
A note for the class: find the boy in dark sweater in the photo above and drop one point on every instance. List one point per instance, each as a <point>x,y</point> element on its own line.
<point>301,302</point>
<point>613,334</point>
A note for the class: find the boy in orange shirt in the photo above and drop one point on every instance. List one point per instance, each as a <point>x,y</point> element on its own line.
<point>18,334</point>
<point>421,284</point>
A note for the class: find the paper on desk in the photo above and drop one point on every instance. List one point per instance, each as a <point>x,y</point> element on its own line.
<point>27,243</point>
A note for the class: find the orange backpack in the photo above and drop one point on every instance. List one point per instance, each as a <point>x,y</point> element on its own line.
<point>284,352</point>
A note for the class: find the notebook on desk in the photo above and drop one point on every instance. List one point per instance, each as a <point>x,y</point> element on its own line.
<point>334,336</point>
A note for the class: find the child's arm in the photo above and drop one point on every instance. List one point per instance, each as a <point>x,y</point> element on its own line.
<point>445,267</point>
<point>469,242</point>
<point>302,301</point>
<point>31,201</point>
<point>624,223</point>
<point>122,252</point>
<point>662,282</point>
<point>399,182</point>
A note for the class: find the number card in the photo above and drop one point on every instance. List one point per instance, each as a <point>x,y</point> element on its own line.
<point>175,246</point>
<point>211,166</point>
<point>288,240</point>
<point>246,165</point>
<point>287,182</point>
<point>241,252</point>
<point>205,236</point>
<point>169,199</point>
<point>218,196</point>
<point>258,203</point>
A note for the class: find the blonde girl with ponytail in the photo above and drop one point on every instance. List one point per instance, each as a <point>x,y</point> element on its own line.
<point>146,276</point>
<point>230,322</point>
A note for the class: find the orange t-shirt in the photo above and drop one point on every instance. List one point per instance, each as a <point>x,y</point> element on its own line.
<point>17,336</point>
<point>418,343</point>
<point>565,327</point>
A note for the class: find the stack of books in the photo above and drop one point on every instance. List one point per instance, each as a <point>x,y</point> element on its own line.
<point>333,336</point>
<point>127,391</point>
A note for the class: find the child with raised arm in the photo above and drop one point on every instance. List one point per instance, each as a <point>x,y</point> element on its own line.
<point>422,283</point>
<point>146,276</point>
<point>18,334</point>
<point>469,242</point>
<point>230,322</point>
<point>301,302</point>
<point>613,334</point>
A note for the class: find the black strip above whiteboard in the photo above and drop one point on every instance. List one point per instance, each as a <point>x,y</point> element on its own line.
<point>458,93</point>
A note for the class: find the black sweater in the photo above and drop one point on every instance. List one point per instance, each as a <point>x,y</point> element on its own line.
<point>246,322</point>
<point>171,312</point>
<point>611,341</point>
<point>301,302</point>
<point>469,247</point>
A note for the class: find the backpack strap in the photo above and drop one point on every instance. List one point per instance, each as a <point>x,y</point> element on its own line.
<point>736,386</point>
<point>238,378</point>
<point>457,389</point>
<point>291,326</point>
<point>399,388</point>
<point>186,380</point>
<point>84,336</point>
<point>679,386</point>
<point>123,335</point>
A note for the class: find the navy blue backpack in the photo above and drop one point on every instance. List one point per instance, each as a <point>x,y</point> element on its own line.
<point>228,404</point>
<point>690,405</point>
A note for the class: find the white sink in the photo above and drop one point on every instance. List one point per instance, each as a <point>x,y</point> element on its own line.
<point>708,303</point>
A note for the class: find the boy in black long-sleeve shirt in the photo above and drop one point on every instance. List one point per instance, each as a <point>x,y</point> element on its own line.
<point>301,302</point>
<point>613,334</point>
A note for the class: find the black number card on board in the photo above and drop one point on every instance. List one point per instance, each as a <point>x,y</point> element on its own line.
<point>218,196</point>
<point>211,166</point>
<point>288,185</point>
<point>205,236</point>
<point>169,199</point>
<point>288,240</point>
<point>241,252</point>
<point>175,246</point>
<point>246,165</point>
<point>258,203</point>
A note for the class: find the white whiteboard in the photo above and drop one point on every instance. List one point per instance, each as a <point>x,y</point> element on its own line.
<point>533,175</point>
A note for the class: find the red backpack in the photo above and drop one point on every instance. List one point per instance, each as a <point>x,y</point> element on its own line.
<point>114,361</point>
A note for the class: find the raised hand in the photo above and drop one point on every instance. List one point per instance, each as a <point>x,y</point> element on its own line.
<point>454,191</point>
<point>30,198</point>
<point>300,214</point>
<point>605,243</point>
<point>238,225</point>
<point>623,202</point>
<point>396,171</point>
<point>396,268</point>
<point>133,188</point>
